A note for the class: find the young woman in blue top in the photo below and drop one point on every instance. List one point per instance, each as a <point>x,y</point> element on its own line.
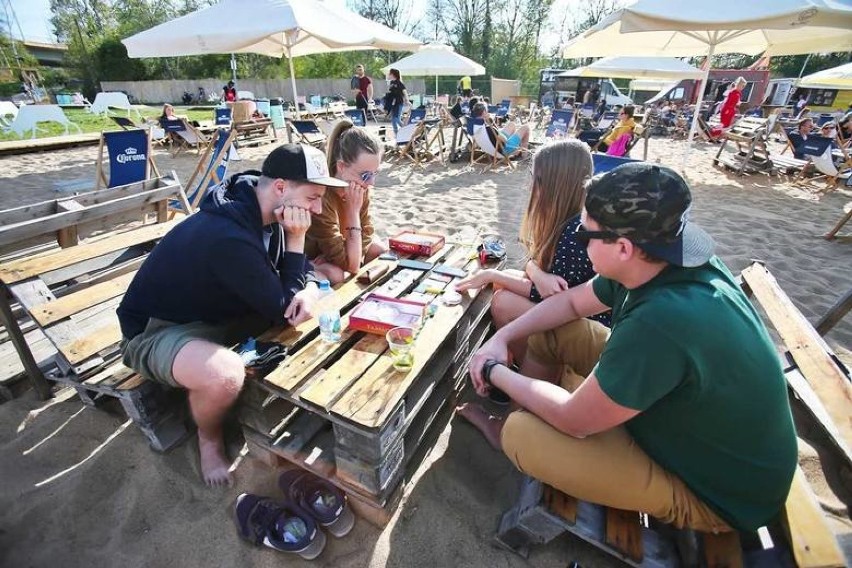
<point>557,261</point>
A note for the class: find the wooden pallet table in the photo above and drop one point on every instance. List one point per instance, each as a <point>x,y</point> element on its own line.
<point>349,416</point>
<point>752,155</point>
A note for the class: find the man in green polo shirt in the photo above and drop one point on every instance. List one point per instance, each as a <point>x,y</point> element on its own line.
<point>681,411</point>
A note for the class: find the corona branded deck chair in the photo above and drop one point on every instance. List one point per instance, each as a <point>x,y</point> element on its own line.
<point>356,116</point>
<point>212,169</point>
<point>130,158</point>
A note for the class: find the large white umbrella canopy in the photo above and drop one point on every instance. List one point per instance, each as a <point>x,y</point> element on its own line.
<point>278,28</point>
<point>436,59</point>
<point>680,29</point>
<point>637,68</point>
<point>839,77</point>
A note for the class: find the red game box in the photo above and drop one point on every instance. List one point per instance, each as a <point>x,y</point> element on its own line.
<point>379,314</point>
<point>423,244</point>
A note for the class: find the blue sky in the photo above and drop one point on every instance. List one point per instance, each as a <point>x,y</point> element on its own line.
<point>34,17</point>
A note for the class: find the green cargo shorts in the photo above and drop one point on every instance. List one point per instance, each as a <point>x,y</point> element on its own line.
<point>152,353</point>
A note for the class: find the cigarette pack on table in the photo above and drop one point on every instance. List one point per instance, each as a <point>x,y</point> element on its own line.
<point>378,314</point>
<point>424,244</point>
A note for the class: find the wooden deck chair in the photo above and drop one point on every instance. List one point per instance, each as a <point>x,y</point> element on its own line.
<point>847,215</point>
<point>183,135</point>
<point>212,169</point>
<point>308,132</point>
<point>492,148</point>
<point>222,116</point>
<point>607,119</point>
<point>357,116</point>
<point>125,123</point>
<point>604,162</point>
<point>816,151</point>
<point>130,158</point>
<point>416,115</point>
<point>751,152</point>
<point>411,142</point>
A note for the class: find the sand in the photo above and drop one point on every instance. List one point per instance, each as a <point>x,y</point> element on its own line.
<point>80,487</point>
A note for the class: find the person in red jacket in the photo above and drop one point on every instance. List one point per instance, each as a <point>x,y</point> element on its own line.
<point>732,101</point>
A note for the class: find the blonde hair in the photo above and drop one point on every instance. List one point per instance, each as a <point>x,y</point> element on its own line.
<point>741,81</point>
<point>347,142</point>
<point>560,171</point>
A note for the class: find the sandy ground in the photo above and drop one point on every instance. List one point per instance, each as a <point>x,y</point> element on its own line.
<point>81,488</point>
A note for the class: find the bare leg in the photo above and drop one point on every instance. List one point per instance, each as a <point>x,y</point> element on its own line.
<point>488,424</point>
<point>524,131</point>
<point>327,271</point>
<point>509,129</point>
<point>213,375</point>
<point>506,307</point>
<point>375,249</point>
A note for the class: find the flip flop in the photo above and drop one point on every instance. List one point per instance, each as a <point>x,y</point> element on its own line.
<point>322,500</point>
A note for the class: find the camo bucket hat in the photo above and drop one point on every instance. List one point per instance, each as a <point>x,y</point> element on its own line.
<point>649,204</point>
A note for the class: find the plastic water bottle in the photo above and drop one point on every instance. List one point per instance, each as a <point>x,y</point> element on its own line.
<point>329,319</point>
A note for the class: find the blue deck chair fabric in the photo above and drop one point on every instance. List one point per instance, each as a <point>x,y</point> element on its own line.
<point>754,112</point>
<point>814,146</point>
<point>416,115</point>
<point>219,158</point>
<point>823,118</point>
<point>128,156</point>
<point>465,108</point>
<point>124,123</point>
<point>591,136</point>
<point>560,122</point>
<point>492,109</point>
<point>357,117</point>
<point>604,162</point>
<point>223,116</point>
<point>506,104</point>
<point>172,125</point>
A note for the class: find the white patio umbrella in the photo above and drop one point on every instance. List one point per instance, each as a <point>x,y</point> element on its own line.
<point>679,29</point>
<point>637,68</point>
<point>278,28</point>
<point>436,59</point>
<point>839,77</point>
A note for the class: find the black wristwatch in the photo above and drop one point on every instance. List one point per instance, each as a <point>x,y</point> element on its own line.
<point>486,370</point>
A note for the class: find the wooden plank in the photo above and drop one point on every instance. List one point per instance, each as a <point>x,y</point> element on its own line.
<point>19,270</point>
<point>560,504</point>
<point>327,389</point>
<point>825,377</point>
<point>81,349</point>
<point>813,543</point>
<point>624,533</point>
<point>71,304</point>
<point>37,378</point>
<point>723,550</point>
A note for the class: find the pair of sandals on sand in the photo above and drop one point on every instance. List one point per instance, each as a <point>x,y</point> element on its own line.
<point>294,524</point>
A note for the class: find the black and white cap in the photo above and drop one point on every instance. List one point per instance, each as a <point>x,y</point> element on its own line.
<point>299,162</point>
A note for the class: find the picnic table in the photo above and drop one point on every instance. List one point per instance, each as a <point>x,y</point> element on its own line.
<point>29,116</point>
<point>104,101</point>
<point>341,411</point>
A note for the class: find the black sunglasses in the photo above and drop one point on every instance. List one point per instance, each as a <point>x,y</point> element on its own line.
<point>583,235</point>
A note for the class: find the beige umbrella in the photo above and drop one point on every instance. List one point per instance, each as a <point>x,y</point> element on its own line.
<point>679,29</point>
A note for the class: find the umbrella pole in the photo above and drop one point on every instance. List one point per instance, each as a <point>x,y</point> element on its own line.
<point>694,126</point>
<point>436,87</point>
<point>293,84</point>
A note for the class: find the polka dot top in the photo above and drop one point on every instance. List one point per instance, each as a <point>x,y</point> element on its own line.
<point>571,262</point>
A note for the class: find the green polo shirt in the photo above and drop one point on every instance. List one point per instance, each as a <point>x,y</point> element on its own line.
<point>690,353</point>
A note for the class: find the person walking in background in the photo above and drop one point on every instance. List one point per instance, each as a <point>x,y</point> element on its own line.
<point>229,93</point>
<point>396,98</point>
<point>362,88</point>
<point>732,101</point>
<point>464,87</point>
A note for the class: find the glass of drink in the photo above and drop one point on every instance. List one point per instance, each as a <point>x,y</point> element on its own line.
<point>330,326</point>
<point>401,343</point>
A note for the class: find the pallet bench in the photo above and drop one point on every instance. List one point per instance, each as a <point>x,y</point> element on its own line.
<point>800,537</point>
<point>254,132</point>
<point>342,411</point>
<point>70,294</point>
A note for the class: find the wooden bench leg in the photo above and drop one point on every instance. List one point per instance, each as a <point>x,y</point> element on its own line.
<point>159,412</point>
<point>529,521</point>
<point>40,383</point>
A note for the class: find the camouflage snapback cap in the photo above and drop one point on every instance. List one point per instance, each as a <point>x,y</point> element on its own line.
<point>649,204</point>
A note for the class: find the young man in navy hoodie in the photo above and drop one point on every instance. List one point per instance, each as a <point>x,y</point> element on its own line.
<point>232,269</point>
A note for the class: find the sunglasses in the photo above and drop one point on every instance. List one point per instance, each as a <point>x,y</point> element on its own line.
<point>583,235</point>
<point>367,177</point>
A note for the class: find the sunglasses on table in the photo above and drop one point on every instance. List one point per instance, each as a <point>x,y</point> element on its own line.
<point>584,235</point>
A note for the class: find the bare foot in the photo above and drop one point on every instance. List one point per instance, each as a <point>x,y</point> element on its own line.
<point>488,424</point>
<point>214,463</point>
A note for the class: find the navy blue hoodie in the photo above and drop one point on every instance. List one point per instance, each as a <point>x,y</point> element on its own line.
<point>214,266</point>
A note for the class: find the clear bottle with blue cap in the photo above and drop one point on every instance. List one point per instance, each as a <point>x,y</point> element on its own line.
<point>329,318</point>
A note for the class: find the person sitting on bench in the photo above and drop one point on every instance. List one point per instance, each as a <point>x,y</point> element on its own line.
<point>231,270</point>
<point>515,138</point>
<point>342,237</point>
<point>681,412</point>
